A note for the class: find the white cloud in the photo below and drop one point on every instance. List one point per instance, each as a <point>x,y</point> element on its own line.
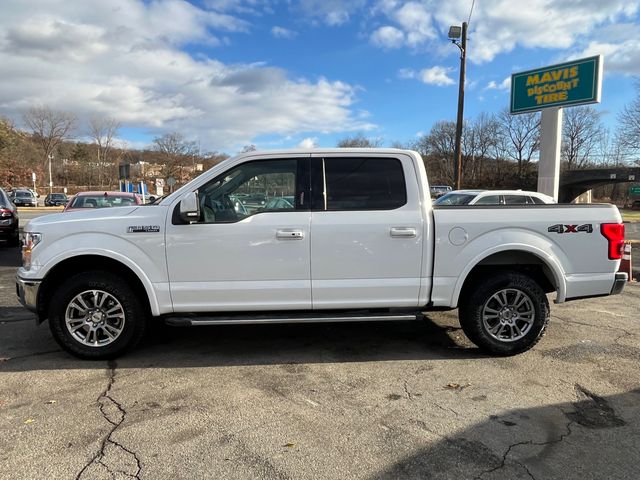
<point>436,76</point>
<point>503,85</point>
<point>415,19</point>
<point>432,76</point>
<point>122,59</point>
<point>331,12</point>
<point>309,142</point>
<point>620,46</point>
<point>500,26</point>
<point>281,32</point>
<point>388,37</point>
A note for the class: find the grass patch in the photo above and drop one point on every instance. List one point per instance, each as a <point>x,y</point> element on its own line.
<point>630,215</point>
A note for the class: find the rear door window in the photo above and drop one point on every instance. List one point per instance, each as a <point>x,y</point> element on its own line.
<point>362,184</point>
<point>489,200</point>
<point>515,199</point>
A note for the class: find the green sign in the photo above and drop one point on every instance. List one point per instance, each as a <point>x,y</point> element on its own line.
<point>570,83</point>
<point>634,190</point>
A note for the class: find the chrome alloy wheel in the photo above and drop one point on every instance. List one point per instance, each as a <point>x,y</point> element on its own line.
<point>508,315</point>
<point>94,318</point>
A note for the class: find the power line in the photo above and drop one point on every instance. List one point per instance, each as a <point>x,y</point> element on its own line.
<point>471,11</point>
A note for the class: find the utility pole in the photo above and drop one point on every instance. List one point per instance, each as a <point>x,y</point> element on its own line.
<point>454,33</point>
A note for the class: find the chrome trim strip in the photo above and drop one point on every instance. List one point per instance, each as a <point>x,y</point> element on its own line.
<point>27,291</point>
<point>207,321</point>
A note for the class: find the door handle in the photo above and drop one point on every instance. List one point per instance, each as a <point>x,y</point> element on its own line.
<point>289,234</point>
<point>406,232</point>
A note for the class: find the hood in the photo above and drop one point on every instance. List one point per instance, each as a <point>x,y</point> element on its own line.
<point>85,215</point>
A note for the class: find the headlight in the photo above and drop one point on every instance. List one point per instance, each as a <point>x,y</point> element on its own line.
<point>31,239</point>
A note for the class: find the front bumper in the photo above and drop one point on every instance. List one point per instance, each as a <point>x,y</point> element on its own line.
<point>619,283</point>
<point>27,291</point>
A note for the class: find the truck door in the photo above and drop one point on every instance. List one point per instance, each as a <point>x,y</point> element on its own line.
<point>250,248</point>
<point>367,231</point>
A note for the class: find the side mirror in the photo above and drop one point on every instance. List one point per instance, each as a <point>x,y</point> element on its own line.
<point>190,208</point>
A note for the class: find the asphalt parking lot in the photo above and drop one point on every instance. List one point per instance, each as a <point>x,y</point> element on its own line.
<point>362,401</point>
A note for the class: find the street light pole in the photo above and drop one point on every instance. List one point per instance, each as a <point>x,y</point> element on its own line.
<point>50,179</point>
<point>457,154</point>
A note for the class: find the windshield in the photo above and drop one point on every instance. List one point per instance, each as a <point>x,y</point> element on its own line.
<point>455,199</point>
<point>23,194</point>
<point>4,200</point>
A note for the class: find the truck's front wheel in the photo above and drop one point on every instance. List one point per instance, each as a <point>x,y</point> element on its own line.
<point>505,314</point>
<point>95,315</point>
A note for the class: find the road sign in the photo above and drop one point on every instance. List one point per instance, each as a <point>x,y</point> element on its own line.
<point>171,181</point>
<point>33,176</point>
<point>635,190</point>
<point>571,83</point>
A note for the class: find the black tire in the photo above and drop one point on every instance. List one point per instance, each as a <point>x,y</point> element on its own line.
<point>530,319</point>
<point>134,317</point>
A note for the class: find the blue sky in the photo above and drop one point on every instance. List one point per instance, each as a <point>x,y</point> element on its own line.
<point>282,74</point>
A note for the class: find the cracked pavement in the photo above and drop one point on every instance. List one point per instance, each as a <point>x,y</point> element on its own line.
<point>406,400</point>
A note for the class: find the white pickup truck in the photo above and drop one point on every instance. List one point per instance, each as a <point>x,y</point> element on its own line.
<point>313,236</point>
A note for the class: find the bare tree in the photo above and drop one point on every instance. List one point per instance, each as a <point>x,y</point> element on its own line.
<point>438,146</point>
<point>176,152</point>
<point>612,150</point>
<point>103,131</point>
<point>521,139</point>
<point>359,141</point>
<point>479,139</point>
<point>629,120</point>
<point>582,132</point>
<point>49,127</point>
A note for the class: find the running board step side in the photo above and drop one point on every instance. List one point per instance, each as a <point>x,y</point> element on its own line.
<point>202,320</point>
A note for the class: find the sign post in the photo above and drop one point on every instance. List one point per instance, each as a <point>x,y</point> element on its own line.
<point>549,89</point>
<point>550,139</point>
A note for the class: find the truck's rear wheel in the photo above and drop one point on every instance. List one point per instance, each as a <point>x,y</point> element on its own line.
<point>95,315</point>
<point>505,314</point>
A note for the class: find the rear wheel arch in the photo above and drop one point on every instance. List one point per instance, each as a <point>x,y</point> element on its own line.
<point>88,263</point>
<point>546,274</point>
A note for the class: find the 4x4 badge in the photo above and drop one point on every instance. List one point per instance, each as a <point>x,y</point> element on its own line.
<point>560,228</point>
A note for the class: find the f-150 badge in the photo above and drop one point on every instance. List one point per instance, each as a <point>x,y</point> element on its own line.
<point>143,229</point>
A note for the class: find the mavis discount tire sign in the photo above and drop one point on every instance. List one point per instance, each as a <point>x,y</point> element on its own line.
<point>571,83</point>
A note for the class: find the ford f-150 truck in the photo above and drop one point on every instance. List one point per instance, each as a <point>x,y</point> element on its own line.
<point>313,236</point>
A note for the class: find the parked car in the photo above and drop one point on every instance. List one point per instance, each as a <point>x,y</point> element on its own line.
<point>494,197</point>
<point>635,205</point>
<point>437,191</point>
<point>24,198</point>
<point>102,200</point>
<point>9,220</point>
<point>55,200</point>
<point>279,203</point>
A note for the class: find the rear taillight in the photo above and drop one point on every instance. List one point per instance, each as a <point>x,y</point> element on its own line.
<point>5,213</point>
<point>614,233</point>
